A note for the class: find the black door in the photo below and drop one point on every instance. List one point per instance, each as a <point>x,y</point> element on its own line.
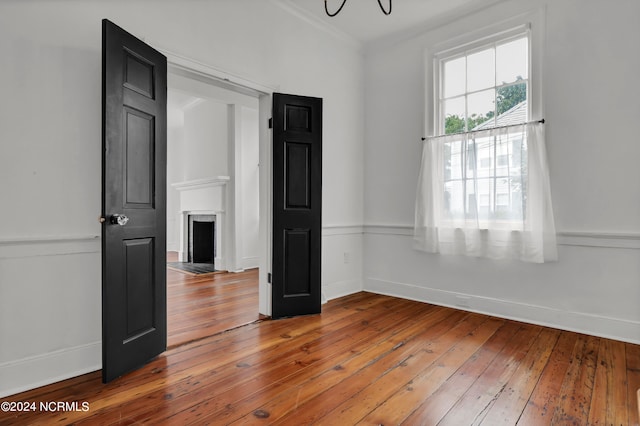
<point>297,205</point>
<point>134,105</point>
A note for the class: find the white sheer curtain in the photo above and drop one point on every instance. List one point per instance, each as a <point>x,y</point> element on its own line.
<point>486,194</point>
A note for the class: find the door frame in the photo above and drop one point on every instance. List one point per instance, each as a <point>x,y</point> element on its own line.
<point>178,64</point>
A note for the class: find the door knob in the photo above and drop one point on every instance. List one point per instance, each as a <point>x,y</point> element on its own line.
<point>119,219</point>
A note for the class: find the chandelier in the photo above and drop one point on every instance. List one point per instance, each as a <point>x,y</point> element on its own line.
<point>326,9</point>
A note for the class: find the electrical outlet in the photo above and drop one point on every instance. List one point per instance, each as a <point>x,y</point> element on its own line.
<point>347,257</point>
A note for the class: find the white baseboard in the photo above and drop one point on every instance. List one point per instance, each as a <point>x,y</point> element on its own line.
<point>341,288</point>
<point>250,262</point>
<point>601,326</point>
<point>33,372</point>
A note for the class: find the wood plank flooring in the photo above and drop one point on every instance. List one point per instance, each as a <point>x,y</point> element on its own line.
<point>367,359</point>
<point>203,305</point>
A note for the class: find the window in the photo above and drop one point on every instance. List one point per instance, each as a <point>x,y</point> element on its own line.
<point>483,188</point>
<point>485,87</point>
<point>482,88</point>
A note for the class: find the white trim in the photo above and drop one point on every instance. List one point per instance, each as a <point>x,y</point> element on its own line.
<point>24,247</point>
<point>338,289</point>
<point>32,372</point>
<point>470,44</point>
<point>201,183</point>
<point>292,8</point>
<point>531,22</point>
<point>265,228</point>
<point>45,239</point>
<point>595,325</point>
<point>432,24</point>
<point>180,65</point>
<point>403,230</point>
<point>626,240</point>
<point>599,239</point>
<point>334,230</point>
<point>250,262</point>
<point>239,84</point>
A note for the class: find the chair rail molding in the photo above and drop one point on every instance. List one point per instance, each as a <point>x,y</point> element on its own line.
<point>48,245</point>
<point>622,240</point>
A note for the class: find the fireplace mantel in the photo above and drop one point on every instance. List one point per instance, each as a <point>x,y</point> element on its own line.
<point>201,183</point>
<point>204,196</point>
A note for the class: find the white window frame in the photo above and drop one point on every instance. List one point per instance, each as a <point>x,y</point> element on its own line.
<point>432,233</point>
<point>480,40</point>
<point>532,22</point>
<point>470,48</point>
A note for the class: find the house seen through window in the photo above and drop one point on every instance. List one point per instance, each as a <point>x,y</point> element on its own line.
<point>481,89</point>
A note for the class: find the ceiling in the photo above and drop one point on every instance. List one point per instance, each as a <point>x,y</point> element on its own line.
<point>363,20</point>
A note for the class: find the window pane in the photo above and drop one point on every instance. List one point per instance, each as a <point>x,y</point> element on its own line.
<point>453,160</point>
<point>454,77</point>
<point>480,109</point>
<point>512,61</point>
<point>471,159</point>
<point>483,187</point>
<point>512,104</point>
<point>454,112</point>
<point>485,178</point>
<point>481,70</point>
<point>472,205</point>
<point>454,199</point>
<point>502,155</point>
<point>485,152</point>
<point>517,206</point>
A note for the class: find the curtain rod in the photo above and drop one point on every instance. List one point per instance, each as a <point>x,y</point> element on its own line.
<point>492,128</point>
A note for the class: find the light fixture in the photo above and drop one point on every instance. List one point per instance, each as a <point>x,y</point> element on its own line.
<point>326,9</point>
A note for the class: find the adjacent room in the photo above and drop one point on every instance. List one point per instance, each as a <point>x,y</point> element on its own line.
<point>212,209</point>
<point>429,212</point>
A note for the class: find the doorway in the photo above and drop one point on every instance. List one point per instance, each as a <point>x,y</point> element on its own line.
<point>213,205</point>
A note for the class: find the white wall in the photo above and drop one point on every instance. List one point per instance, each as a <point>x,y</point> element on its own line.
<point>175,173</point>
<point>250,185</point>
<point>590,62</point>
<point>202,131</point>
<point>50,155</point>
<point>206,140</point>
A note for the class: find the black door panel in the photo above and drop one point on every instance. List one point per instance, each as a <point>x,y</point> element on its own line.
<point>297,205</point>
<point>134,322</point>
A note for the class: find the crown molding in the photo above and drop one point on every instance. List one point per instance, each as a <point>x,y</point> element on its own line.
<point>431,24</point>
<point>292,8</point>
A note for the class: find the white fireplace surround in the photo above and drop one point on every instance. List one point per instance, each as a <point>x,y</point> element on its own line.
<point>203,197</point>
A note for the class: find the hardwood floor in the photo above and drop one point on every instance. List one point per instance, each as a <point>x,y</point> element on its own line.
<point>368,359</point>
<point>203,305</point>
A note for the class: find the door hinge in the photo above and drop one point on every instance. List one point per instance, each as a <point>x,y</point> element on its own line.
<point>271,123</point>
<point>269,277</point>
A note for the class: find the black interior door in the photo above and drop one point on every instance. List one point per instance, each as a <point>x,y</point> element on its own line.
<point>134,103</point>
<point>297,205</point>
